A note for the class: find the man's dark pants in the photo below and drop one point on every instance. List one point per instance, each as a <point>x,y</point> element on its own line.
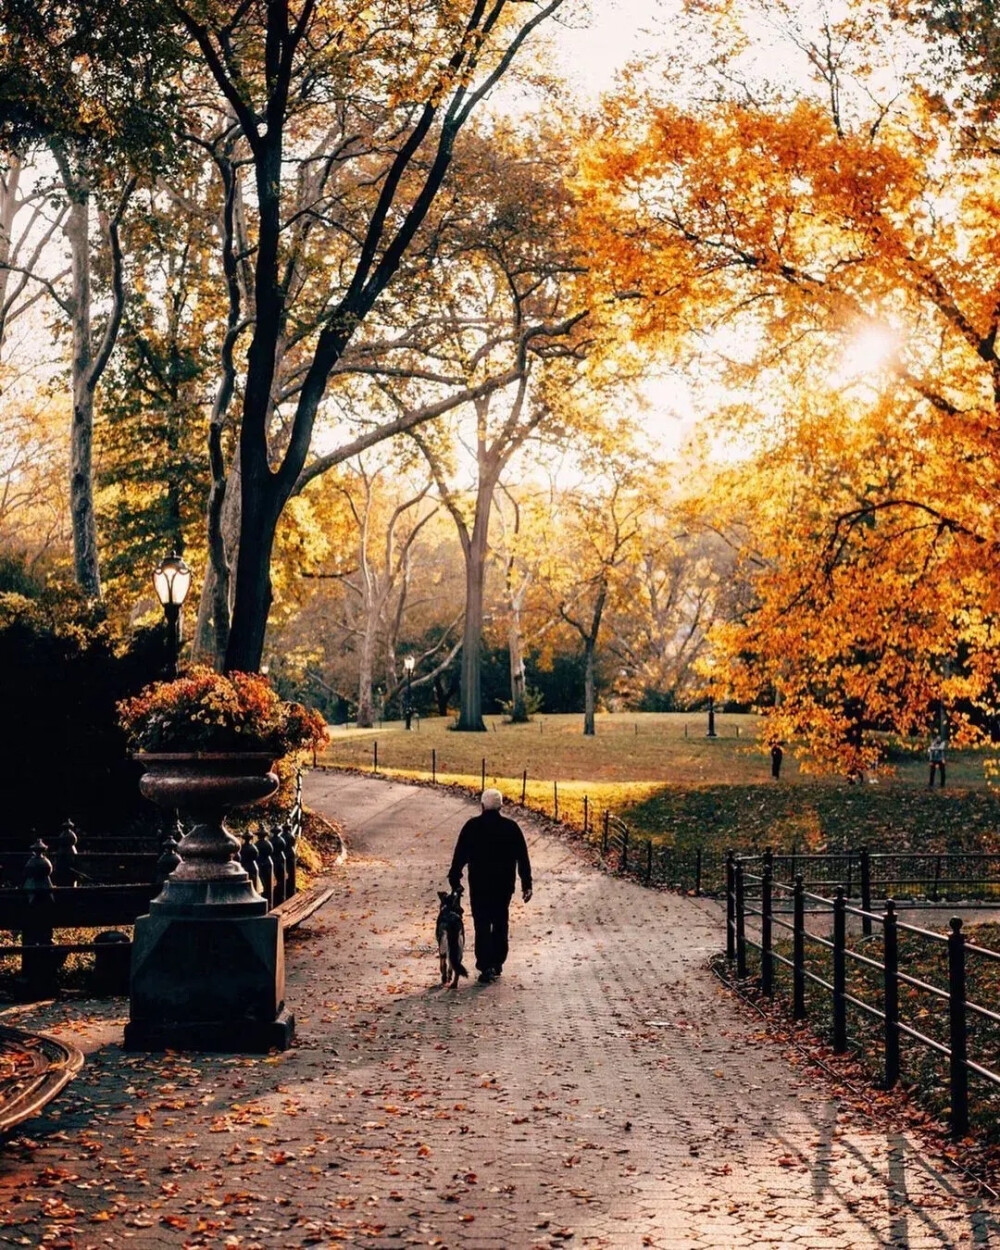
<point>490,918</point>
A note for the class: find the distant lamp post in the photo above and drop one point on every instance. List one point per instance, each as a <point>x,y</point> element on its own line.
<point>172,581</point>
<point>408,665</point>
<point>711,704</point>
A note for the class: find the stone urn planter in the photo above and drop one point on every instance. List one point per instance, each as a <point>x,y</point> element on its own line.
<point>208,962</point>
<point>205,786</point>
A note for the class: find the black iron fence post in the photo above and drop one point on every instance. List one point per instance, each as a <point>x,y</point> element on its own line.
<point>730,905</point>
<point>434,767</point>
<point>291,859</point>
<point>697,873</point>
<point>585,816</point>
<point>65,873</point>
<point>169,860</point>
<point>959,1072</point>
<point>279,887</point>
<point>483,786</point>
<point>649,863</point>
<point>265,867</point>
<point>798,950</point>
<point>604,835</point>
<point>766,962</point>
<point>890,958</point>
<point>866,890</point>
<point>623,860</point>
<point>248,860</point>
<point>39,961</point>
<point>375,756</point>
<point>936,888</point>
<point>839,971</point>
<point>741,945</point>
<point>524,786</point>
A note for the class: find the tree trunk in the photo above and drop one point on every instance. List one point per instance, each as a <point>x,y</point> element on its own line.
<point>470,716</point>
<point>261,506</point>
<point>518,684</point>
<point>515,650</point>
<point>366,666</point>
<point>215,606</point>
<point>588,688</point>
<point>86,569</point>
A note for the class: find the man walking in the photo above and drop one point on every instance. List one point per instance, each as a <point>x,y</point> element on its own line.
<point>493,848</point>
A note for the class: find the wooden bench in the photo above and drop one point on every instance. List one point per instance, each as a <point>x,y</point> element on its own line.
<point>302,905</point>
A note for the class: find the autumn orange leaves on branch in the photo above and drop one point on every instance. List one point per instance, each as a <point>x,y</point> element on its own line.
<point>793,223</point>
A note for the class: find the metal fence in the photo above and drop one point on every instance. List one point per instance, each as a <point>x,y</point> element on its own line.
<point>45,895</point>
<point>758,899</point>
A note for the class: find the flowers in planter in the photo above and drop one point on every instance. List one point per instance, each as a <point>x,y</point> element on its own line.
<point>205,711</point>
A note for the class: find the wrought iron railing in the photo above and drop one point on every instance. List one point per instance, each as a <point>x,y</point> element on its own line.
<point>765,903</point>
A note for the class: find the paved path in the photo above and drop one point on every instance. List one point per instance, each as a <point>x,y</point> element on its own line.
<point>605,1093</point>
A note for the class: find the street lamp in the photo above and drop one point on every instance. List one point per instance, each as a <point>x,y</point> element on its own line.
<point>711,702</point>
<point>172,581</point>
<point>408,664</point>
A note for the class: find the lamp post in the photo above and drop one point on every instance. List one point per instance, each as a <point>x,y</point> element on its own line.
<point>408,664</point>
<point>172,581</point>
<point>711,700</point>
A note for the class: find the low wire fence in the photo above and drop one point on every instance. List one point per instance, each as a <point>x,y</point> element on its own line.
<point>905,996</point>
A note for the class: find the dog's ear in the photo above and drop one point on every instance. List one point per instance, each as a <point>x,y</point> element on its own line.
<point>443,896</point>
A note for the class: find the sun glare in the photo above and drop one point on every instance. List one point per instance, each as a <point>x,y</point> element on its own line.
<point>869,352</point>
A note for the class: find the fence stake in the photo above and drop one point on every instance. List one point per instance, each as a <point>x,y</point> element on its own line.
<point>65,873</point>
<point>434,765</point>
<point>839,972</point>
<point>555,800</point>
<point>741,945</point>
<point>375,756</point>
<point>937,879</point>
<point>604,835</point>
<point>697,873</point>
<point>585,815</point>
<point>483,786</point>
<point>958,1039</point>
<point>524,785</point>
<point>649,863</point>
<point>623,862</point>
<point>866,891</point>
<point>730,906</point>
<point>798,950</point>
<point>766,962</point>
<point>890,958</point>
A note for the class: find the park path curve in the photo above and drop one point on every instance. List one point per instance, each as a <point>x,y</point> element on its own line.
<point>606,1092</point>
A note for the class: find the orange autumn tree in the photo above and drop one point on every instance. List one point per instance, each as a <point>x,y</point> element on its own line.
<point>799,229</point>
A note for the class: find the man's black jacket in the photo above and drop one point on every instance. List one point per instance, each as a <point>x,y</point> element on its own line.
<point>493,847</point>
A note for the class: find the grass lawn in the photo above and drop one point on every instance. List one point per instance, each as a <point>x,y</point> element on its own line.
<point>672,784</point>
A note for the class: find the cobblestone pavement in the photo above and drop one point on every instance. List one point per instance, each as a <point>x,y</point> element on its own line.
<point>604,1093</point>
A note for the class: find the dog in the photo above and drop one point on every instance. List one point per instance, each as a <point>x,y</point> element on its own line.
<point>450,934</point>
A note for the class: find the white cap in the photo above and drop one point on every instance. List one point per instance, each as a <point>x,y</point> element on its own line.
<point>492,800</point>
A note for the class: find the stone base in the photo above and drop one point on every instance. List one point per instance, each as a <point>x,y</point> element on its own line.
<point>208,984</point>
<point>250,1037</point>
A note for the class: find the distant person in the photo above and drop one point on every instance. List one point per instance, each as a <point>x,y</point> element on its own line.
<point>493,848</point>
<point>777,755</point>
<point>935,756</point>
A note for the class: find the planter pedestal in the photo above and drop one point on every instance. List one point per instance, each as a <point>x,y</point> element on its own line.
<point>208,962</point>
